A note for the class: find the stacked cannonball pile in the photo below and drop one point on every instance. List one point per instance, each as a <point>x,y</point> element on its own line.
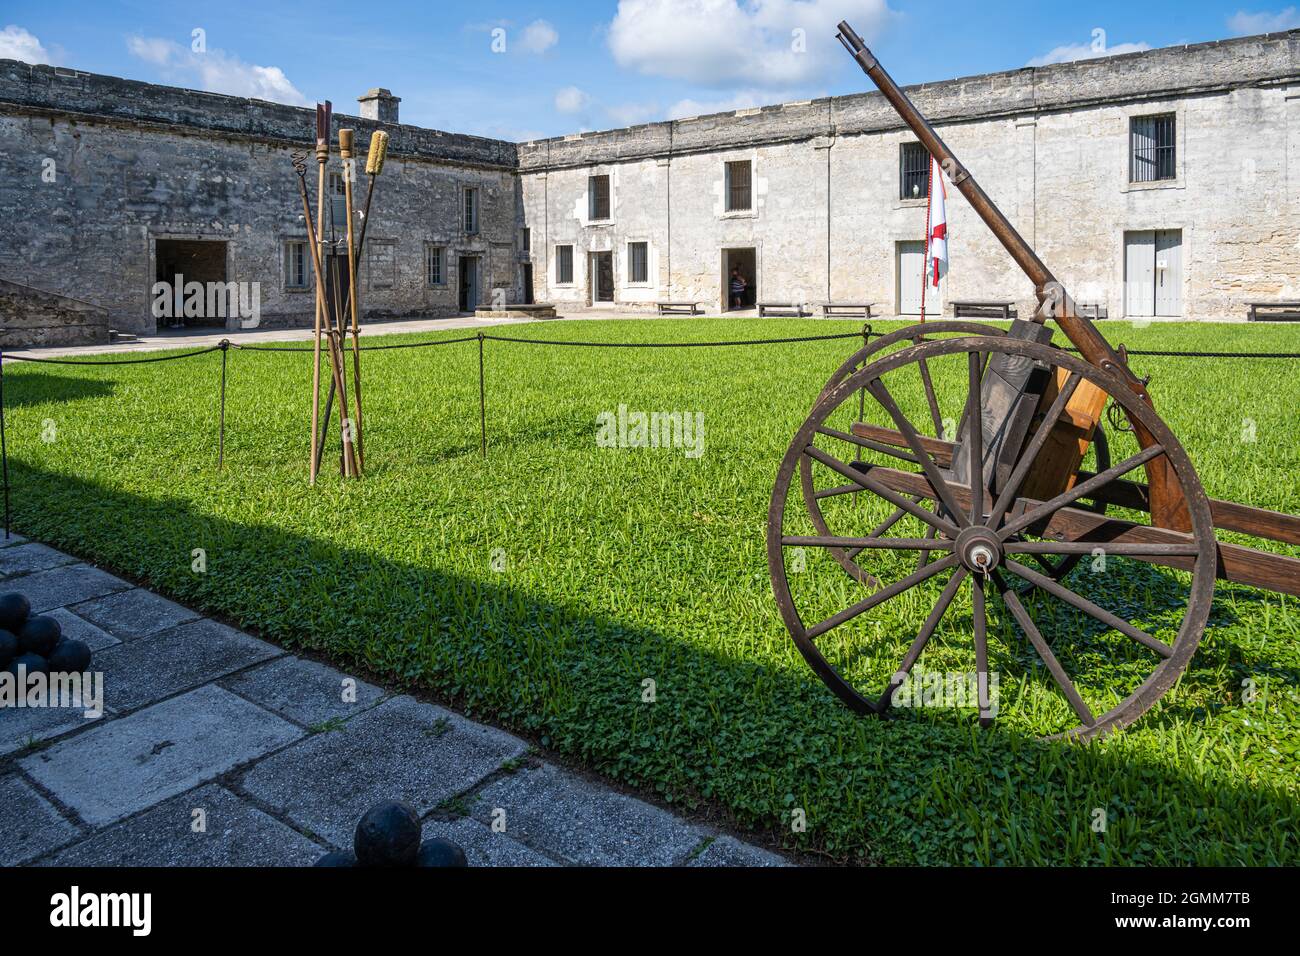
<point>389,835</point>
<point>36,642</point>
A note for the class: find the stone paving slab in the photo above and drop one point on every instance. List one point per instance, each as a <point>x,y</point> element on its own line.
<point>147,670</point>
<point>401,749</point>
<point>586,823</point>
<point>133,614</point>
<point>11,541</point>
<point>30,823</point>
<point>72,584</point>
<point>728,851</point>
<point>126,765</point>
<point>235,834</point>
<point>21,727</point>
<point>79,628</point>
<point>26,558</point>
<point>303,691</point>
<point>482,846</point>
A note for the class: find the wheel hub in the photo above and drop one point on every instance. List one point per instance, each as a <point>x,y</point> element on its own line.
<point>979,549</point>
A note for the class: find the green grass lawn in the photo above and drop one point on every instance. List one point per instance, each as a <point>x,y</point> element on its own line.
<point>618,566</point>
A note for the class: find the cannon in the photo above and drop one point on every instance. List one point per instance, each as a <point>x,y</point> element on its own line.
<point>954,483</point>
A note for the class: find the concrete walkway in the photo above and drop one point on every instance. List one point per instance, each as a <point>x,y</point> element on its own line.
<point>219,749</point>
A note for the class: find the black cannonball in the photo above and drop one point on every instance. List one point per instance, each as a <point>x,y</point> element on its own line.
<point>337,858</point>
<point>40,635</point>
<point>14,611</point>
<point>70,656</point>
<point>388,835</point>
<point>8,647</point>
<point>441,853</point>
<point>34,663</point>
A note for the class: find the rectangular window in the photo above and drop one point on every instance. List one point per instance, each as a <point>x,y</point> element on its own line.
<point>564,265</point>
<point>739,190</point>
<point>527,239</point>
<point>598,197</point>
<point>638,262</point>
<point>914,172</point>
<point>296,271</point>
<point>338,211</point>
<point>1152,151</point>
<point>434,265</point>
<point>471,210</point>
<point>381,265</point>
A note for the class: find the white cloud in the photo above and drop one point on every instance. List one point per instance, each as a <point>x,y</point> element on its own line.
<point>1245,24</point>
<point>571,100</point>
<point>759,43</point>
<point>741,100</point>
<point>538,37</point>
<point>17,44</point>
<point>633,114</point>
<point>1085,51</point>
<point>216,71</point>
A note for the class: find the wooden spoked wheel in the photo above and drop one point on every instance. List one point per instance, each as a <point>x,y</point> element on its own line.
<point>940,559</point>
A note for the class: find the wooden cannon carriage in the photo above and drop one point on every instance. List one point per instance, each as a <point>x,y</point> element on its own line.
<point>1041,497</point>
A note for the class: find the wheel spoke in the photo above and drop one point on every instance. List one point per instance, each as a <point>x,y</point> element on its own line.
<point>1054,668</point>
<point>1091,609</point>
<point>866,481</point>
<point>1031,451</point>
<point>1080,490</point>
<point>881,394</point>
<point>975,429</point>
<point>884,594</point>
<point>930,397</point>
<point>979,618</point>
<point>867,443</point>
<point>924,557</point>
<point>923,637</point>
<point>837,490</point>
<point>865,544</point>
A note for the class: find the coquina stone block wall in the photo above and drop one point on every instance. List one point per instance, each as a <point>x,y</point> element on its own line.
<point>135,164</point>
<point>1050,145</point>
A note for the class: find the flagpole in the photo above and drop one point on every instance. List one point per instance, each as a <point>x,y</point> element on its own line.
<point>925,259</point>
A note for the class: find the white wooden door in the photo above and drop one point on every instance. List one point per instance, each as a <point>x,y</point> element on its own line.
<point>1169,272</point>
<point>1139,273</point>
<point>911,264</point>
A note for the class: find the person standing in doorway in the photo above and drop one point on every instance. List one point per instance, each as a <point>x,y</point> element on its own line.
<point>738,286</point>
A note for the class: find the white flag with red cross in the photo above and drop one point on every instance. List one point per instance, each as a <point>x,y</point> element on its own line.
<point>936,233</point>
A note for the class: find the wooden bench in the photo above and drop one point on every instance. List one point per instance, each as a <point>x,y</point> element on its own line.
<point>792,310</point>
<point>678,308</point>
<point>1273,311</point>
<point>983,308</point>
<point>852,310</point>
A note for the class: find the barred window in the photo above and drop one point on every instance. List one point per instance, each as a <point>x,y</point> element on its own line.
<point>739,190</point>
<point>338,221</point>
<point>434,259</point>
<point>563,264</point>
<point>1152,151</point>
<point>296,272</point>
<point>638,262</point>
<point>598,197</point>
<point>914,172</point>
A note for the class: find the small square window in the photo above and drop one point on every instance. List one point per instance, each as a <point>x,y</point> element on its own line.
<point>740,196</point>
<point>435,258</point>
<point>564,265</point>
<point>638,262</point>
<point>914,172</point>
<point>1153,150</point>
<point>297,271</point>
<point>598,198</point>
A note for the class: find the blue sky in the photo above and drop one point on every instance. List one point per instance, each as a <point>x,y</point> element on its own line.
<point>520,70</point>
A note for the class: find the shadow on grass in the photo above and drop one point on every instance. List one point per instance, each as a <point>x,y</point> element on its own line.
<point>52,387</point>
<point>732,739</point>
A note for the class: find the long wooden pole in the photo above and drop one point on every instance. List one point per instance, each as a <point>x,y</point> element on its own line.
<point>322,157</point>
<point>345,151</point>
